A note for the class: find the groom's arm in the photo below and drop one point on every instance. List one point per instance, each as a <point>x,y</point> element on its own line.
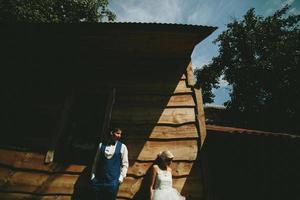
<point>124,164</point>
<point>95,162</point>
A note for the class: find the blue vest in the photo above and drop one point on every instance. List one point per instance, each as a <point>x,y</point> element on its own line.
<point>108,170</point>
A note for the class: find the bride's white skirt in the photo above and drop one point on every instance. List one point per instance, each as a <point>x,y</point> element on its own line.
<point>167,194</point>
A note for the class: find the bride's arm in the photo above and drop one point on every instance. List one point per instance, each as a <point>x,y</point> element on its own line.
<point>152,181</point>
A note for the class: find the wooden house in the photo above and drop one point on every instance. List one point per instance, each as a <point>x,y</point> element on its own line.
<point>64,85</point>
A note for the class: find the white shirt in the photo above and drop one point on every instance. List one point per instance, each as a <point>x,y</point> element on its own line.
<point>108,153</point>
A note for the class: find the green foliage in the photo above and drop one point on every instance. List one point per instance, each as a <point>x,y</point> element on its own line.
<point>207,79</point>
<point>54,11</point>
<point>259,57</point>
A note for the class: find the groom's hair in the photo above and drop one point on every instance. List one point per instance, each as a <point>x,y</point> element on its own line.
<point>112,130</point>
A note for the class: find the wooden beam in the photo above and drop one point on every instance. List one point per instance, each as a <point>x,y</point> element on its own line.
<point>190,75</point>
<point>108,113</point>
<point>200,115</point>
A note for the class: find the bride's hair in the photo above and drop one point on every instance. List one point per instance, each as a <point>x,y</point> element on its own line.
<point>163,155</point>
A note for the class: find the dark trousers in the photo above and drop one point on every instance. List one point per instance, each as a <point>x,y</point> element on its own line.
<point>105,191</point>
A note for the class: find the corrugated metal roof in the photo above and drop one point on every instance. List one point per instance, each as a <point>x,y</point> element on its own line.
<point>164,24</point>
<point>140,25</point>
<point>85,43</point>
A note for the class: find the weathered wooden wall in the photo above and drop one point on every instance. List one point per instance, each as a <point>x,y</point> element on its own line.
<point>154,122</point>
<point>23,175</point>
<point>154,116</point>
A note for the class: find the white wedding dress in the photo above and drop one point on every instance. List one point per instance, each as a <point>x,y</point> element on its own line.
<point>163,187</point>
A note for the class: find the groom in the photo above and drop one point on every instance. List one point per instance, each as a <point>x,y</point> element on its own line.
<point>109,167</point>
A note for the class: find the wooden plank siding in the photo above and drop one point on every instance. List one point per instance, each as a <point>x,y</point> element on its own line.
<point>35,162</point>
<point>151,122</point>
<point>142,115</point>
<point>182,150</point>
<point>159,132</point>
<point>144,87</point>
<point>20,196</point>
<point>184,100</point>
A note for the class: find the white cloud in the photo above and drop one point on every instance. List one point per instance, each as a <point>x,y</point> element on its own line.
<point>287,2</point>
<point>199,60</point>
<point>201,14</point>
<point>211,12</point>
<point>222,94</point>
<point>222,82</point>
<point>273,5</point>
<point>166,11</point>
<point>294,11</point>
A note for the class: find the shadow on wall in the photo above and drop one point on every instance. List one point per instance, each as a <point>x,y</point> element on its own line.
<point>144,191</point>
<point>82,188</point>
<point>136,112</point>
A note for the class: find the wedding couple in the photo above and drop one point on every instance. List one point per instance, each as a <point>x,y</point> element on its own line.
<point>110,167</point>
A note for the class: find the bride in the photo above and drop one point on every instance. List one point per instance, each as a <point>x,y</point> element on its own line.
<point>161,179</point>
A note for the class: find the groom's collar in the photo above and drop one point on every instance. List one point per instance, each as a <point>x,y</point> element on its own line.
<point>111,142</point>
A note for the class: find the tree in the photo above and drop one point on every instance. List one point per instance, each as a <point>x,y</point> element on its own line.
<point>259,57</point>
<point>54,11</point>
<point>207,79</point>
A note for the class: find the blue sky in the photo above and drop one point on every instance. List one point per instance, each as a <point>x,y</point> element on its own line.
<point>197,12</point>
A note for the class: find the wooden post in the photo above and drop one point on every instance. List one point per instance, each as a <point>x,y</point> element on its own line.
<point>108,112</point>
<point>201,126</point>
<point>200,114</point>
<point>61,127</point>
<point>199,103</point>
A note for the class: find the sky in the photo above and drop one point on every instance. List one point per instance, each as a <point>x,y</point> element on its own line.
<point>216,13</point>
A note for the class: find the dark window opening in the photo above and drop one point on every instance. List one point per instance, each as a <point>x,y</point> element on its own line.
<point>83,131</point>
